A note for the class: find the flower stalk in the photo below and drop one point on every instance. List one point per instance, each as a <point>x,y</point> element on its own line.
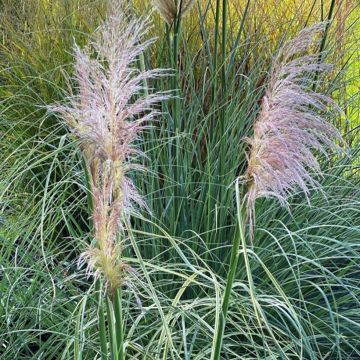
<point>107,115</point>
<point>288,133</point>
<point>239,238</point>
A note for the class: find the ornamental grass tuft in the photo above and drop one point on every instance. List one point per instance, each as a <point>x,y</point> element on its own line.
<point>107,114</point>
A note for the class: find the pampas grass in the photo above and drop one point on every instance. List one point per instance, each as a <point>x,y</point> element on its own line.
<point>292,127</point>
<point>172,9</point>
<point>296,287</point>
<point>107,115</point>
<point>289,129</point>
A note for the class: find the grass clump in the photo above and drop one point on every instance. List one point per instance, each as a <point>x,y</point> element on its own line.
<point>294,289</point>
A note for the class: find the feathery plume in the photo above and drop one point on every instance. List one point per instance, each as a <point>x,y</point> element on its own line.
<point>107,115</point>
<point>291,125</point>
<point>171,9</point>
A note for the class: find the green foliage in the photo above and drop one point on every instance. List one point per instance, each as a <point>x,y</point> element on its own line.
<point>297,289</point>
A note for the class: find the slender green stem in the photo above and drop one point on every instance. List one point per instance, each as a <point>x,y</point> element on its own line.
<point>176,38</point>
<point>211,202</point>
<point>216,35</point>
<point>169,31</point>
<point>143,69</point>
<point>214,77</point>
<point>176,115</point>
<point>324,38</point>
<point>310,13</point>
<point>234,258</point>
<point>223,45</point>
<point>101,319</point>
<point>111,322</point>
<point>238,38</point>
<point>329,18</point>
<point>119,324</point>
<point>322,10</point>
<point>102,333</point>
<point>223,88</point>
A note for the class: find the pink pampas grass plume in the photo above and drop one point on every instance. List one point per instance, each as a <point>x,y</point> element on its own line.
<point>171,9</point>
<point>107,115</point>
<point>291,126</point>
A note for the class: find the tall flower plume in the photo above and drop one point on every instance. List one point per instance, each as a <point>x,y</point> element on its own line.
<point>291,126</point>
<point>107,115</point>
<point>170,9</point>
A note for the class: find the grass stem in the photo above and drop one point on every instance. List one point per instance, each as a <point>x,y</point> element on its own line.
<point>101,319</point>
<point>119,324</point>
<point>234,258</point>
<point>112,331</point>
